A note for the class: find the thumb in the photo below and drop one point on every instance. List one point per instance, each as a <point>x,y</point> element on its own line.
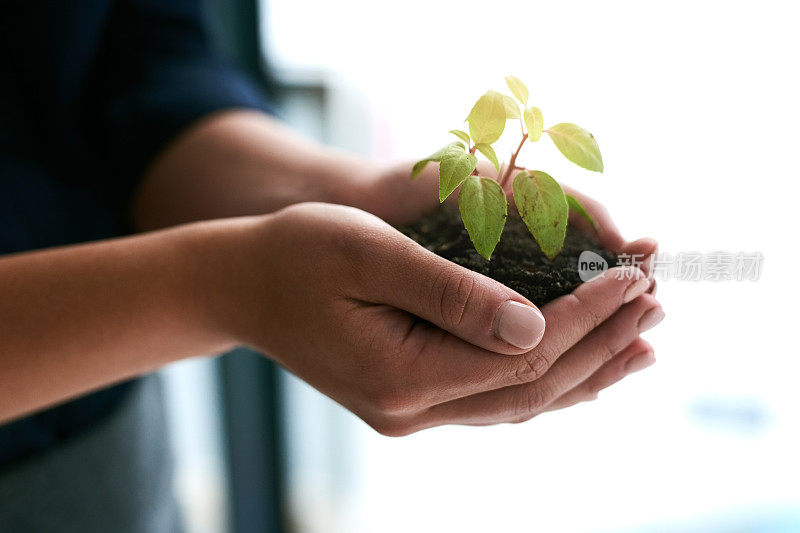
<point>469,305</point>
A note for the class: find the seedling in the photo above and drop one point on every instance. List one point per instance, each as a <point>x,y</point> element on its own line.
<point>541,202</point>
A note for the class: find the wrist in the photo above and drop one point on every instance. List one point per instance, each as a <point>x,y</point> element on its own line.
<point>344,178</point>
<point>217,266</point>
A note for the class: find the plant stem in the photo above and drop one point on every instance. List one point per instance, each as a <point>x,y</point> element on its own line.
<point>513,163</point>
<point>472,151</point>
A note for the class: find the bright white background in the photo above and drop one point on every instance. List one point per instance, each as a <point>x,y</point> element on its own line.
<point>695,107</point>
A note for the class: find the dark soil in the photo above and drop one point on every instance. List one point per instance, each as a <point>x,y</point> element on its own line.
<point>517,262</point>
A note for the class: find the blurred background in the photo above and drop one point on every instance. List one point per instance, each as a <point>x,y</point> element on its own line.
<point>695,106</point>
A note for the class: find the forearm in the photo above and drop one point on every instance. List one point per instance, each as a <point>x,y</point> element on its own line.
<point>242,163</point>
<point>77,318</point>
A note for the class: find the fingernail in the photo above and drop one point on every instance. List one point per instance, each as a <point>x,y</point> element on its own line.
<point>635,289</point>
<point>639,362</point>
<point>650,319</point>
<point>519,324</point>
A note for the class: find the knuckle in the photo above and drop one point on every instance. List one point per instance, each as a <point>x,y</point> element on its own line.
<point>389,402</point>
<point>397,348</point>
<point>607,351</point>
<point>532,366</point>
<point>391,428</point>
<point>592,391</point>
<point>588,314</point>
<point>455,291</point>
<point>532,400</point>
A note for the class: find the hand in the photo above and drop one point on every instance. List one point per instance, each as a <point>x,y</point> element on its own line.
<point>410,200</point>
<point>407,340</point>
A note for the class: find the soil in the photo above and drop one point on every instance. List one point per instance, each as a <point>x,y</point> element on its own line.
<point>517,262</point>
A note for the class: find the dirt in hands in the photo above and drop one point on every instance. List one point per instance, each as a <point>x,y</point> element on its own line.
<point>517,262</point>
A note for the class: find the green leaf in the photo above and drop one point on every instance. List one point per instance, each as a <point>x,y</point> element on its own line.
<point>534,123</point>
<point>512,109</point>
<point>518,89</point>
<point>488,151</point>
<point>543,207</point>
<point>455,166</point>
<point>434,157</point>
<point>463,135</point>
<point>576,206</point>
<point>487,118</point>
<point>484,209</point>
<point>577,145</point>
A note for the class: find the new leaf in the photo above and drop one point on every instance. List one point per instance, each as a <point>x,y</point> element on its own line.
<point>463,135</point>
<point>534,123</point>
<point>577,145</point>
<point>484,209</point>
<point>487,120</point>
<point>436,156</point>
<point>518,89</point>
<point>488,151</point>
<point>455,166</point>
<point>543,207</point>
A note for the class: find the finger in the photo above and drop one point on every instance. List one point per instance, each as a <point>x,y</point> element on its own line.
<point>445,367</point>
<point>640,253</point>
<point>434,366</point>
<point>608,233</point>
<point>521,402</point>
<point>637,356</point>
<point>601,345</point>
<point>481,311</point>
<point>573,316</point>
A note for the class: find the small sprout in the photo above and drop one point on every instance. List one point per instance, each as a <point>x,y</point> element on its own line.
<point>541,202</point>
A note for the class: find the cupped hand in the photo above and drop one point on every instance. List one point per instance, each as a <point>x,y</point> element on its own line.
<point>411,199</point>
<point>408,340</point>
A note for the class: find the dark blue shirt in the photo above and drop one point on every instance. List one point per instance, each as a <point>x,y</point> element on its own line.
<point>90,92</point>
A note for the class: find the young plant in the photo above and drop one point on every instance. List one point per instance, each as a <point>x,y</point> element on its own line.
<point>542,204</point>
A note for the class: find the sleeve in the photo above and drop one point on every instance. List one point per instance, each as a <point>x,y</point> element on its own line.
<point>156,74</point>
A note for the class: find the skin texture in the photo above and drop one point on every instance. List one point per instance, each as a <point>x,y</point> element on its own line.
<point>394,333</point>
